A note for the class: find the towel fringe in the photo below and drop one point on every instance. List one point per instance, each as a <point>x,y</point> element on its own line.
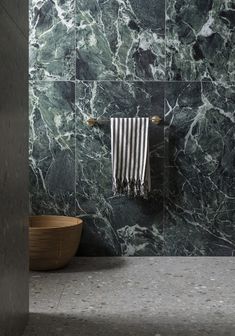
<point>131,188</point>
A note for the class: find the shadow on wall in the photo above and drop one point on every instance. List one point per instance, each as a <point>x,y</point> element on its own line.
<point>131,325</point>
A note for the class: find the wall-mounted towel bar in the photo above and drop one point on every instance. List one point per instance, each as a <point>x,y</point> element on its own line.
<point>94,121</point>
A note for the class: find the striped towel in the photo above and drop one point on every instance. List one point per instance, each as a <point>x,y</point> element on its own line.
<point>130,156</point>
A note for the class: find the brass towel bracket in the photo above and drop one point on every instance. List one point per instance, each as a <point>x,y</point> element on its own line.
<point>93,121</point>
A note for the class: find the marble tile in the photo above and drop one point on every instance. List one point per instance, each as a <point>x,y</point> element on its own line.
<point>52,40</point>
<point>128,58</point>
<point>120,40</point>
<point>200,191</point>
<point>52,147</point>
<point>200,40</point>
<point>116,225</point>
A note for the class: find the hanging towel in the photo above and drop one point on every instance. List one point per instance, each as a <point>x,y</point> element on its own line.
<point>130,156</point>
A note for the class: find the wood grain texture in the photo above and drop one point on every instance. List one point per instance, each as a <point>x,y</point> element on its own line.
<point>53,241</point>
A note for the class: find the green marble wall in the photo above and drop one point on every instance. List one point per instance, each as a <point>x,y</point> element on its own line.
<point>106,58</point>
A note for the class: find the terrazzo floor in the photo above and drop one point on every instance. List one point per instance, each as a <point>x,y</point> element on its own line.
<point>139,296</point>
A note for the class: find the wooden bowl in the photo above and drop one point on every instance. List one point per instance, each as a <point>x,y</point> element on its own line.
<point>53,241</point>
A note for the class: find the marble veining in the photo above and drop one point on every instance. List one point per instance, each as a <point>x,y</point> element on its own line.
<point>107,218</point>
<point>200,192</point>
<point>52,147</point>
<point>200,40</point>
<point>103,58</point>
<point>119,40</point>
<point>52,40</point>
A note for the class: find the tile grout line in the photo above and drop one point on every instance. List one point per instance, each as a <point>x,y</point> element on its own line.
<point>75,114</point>
<point>164,151</point>
<point>130,81</point>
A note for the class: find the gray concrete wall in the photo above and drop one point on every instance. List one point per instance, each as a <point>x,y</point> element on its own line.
<point>13,167</point>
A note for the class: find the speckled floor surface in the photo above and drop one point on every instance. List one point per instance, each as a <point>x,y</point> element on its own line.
<point>140,296</point>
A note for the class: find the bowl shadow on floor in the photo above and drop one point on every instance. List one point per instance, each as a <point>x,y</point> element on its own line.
<point>41,324</point>
<point>87,264</point>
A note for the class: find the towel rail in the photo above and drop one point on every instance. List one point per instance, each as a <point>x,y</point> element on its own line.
<point>94,121</point>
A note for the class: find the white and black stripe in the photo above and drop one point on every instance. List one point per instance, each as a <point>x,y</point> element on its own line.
<point>130,156</point>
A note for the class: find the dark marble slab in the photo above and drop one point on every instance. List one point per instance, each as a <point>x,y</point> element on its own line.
<point>52,147</point>
<point>52,40</point>
<point>120,39</point>
<point>116,225</point>
<point>200,185</point>
<point>121,63</point>
<point>200,40</point>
